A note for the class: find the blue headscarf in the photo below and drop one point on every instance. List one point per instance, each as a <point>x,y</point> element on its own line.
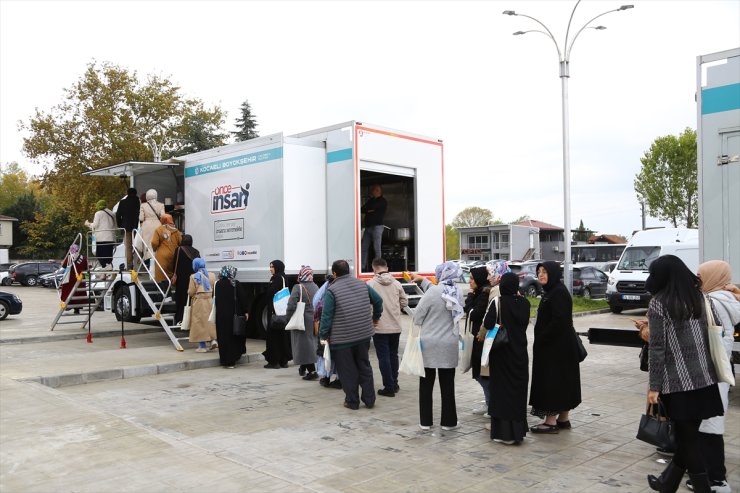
<point>200,273</point>
<point>447,275</point>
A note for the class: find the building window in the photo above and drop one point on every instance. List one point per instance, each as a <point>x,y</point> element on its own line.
<point>480,242</point>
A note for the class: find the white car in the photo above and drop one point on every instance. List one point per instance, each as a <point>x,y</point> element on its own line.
<point>5,279</point>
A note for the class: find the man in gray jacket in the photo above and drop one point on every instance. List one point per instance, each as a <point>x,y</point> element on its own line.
<point>388,330</point>
<point>347,326</point>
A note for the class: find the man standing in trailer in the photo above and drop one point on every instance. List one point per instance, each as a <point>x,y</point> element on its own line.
<point>374,210</point>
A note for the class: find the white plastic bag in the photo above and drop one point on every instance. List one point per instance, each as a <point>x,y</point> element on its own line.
<point>280,300</point>
<point>185,325</point>
<point>412,362</point>
<point>296,321</point>
<point>212,315</point>
<point>465,353</point>
<point>327,357</point>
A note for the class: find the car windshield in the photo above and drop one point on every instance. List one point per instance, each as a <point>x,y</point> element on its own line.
<point>638,258</point>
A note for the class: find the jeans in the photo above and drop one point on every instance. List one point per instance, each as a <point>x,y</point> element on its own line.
<point>447,389</point>
<point>386,348</point>
<point>372,234</point>
<point>485,383</point>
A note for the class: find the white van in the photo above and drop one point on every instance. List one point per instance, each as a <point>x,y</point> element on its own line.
<point>626,286</point>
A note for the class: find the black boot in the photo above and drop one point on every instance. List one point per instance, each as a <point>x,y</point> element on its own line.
<point>668,481</point>
<point>700,482</point>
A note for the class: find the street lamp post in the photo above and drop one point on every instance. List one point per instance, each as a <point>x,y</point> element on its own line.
<point>564,63</point>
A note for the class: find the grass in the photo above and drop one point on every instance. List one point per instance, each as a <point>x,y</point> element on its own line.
<point>579,305</point>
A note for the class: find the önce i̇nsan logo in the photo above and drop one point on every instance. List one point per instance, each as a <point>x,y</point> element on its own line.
<point>229,198</point>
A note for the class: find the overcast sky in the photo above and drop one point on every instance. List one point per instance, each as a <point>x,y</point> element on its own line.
<point>446,69</point>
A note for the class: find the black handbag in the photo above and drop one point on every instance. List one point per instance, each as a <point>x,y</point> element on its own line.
<point>582,353</point>
<point>656,428</point>
<point>239,325</point>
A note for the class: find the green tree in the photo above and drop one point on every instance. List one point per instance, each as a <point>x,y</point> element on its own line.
<point>108,117</point>
<point>582,234</point>
<point>14,182</point>
<point>48,218</point>
<point>201,130</point>
<point>246,124</point>
<point>24,209</point>
<point>667,181</point>
<point>473,216</point>
<point>452,242</point>
<point>525,217</point>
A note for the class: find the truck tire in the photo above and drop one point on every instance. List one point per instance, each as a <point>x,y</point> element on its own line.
<point>122,305</point>
<point>615,309</point>
<point>259,316</point>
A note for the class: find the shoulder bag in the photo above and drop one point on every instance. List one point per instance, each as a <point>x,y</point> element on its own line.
<point>465,350</point>
<point>240,321</point>
<point>582,353</point>
<point>280,300</point>
<point>495,337</point>
<point>212,315</point>
<point>185,324</point>
<point>296,321</point>
<point>717,347</point>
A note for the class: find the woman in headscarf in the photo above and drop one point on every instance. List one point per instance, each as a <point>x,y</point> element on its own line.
<point>716,283</point>
<point>277,351</point>
<point>476,304</point>
<point>556,373</point>
<point>150,213</point>
<point>438,313</point>
<point>230,300</point>
<point>510,365</point>
<point>75,264</point>
<point>681,372</point>
<point>303,342</point>
<point>200,291</point>
<point>104,229</point>
<point>184,257</point>
<point>165,241</point>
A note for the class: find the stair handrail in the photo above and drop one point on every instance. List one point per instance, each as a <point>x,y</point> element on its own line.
<point>147,247</point>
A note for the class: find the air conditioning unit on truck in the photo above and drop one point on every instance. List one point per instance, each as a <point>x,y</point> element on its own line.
<point>297,199</point>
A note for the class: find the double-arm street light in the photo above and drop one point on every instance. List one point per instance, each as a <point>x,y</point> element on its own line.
<point>564,61</point>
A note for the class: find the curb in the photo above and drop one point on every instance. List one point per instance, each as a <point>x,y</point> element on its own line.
<point>592,312</point>
<point>69,379</point>
<point>79,335</point>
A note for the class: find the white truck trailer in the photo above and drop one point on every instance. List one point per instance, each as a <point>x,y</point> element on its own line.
<point>297,199</point>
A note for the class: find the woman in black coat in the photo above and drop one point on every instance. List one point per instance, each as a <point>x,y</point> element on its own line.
<point>230,299</point>
<point>510,365</point>
<point>184,256</point>
<point>556,374</point>
<point>475,308</point>
<point>277,351</point>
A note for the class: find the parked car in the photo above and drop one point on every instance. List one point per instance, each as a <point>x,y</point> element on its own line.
<point>5,279</point>
<point>589,282</point>
<point>609,266</point>
<point>527,272</point>
<point>53,279</point>
<point>10,304</point>
<point>5,267</point>
<point>28,273</point>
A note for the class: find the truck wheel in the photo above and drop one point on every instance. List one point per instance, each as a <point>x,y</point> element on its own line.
<point>4,310</point>
<point>260,316</point>
<point>122,305</point>
<point>531,291</point>
<point>615,309</point>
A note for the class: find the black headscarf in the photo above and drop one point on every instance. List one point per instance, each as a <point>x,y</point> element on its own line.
<point>553,273</point>
<point>278,280</point>
<point>480,276</point>
<point>514,308</point>
<point>509,284</point>
<point>279,267</point>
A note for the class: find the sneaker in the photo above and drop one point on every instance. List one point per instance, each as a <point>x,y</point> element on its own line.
<point>271,367</point>
<point>425,428</point>
<point>324,382</point>
<point>505,442</point>
<point>451,428</point>
<point>386,392</point>
<point>336,384</point>
<point>396,389</point>
<point>480,410</point>
<point>201,350</point>
<point>311,376</point>
<point>214,344</point>
<point>716,486</point>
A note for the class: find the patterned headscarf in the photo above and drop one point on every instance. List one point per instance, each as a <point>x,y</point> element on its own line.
<point>74,248</point>
<point>497,269</point>
<point>447,275</point>
<point>305,274</point>
<point>228,272</point>
<point>201,274</point>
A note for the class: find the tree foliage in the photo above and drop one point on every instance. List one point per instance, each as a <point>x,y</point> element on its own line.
<point>473,216</point>
<point>581,233</point>
<point>108,117</point>
<point>14,182</point>
<point>525,217</point>
<point>246,124</point>
<point>452,242</point>
<point>50,232</point>
<point>667,181</point>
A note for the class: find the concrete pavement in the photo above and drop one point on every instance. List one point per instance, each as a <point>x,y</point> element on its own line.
<point>152,419</point>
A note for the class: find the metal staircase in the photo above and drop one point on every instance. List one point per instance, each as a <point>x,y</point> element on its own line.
<point>529,255</point>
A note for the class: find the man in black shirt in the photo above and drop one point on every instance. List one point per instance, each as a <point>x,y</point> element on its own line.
<point>374,210</point>
<point>127,217</point>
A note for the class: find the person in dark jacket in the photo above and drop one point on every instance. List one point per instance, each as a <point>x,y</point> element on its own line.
<point>476,304</point>
<point>374,210</point>
<point>510,365</point>
<point>127,217</point>
<point>277,351</point>
<point>556,374</point>
<point>681,371</point>
<point>230,300</point>
<point>347,325</point>
<point>184,257</point>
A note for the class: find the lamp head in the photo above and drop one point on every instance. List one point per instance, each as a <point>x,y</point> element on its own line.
<point>626,7</point>
<point>519,33</point>
<point>508,12</point>
<point>600,28</point>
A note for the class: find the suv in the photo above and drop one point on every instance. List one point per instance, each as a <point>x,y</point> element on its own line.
<point>527,272</point>
<point>27,273</point>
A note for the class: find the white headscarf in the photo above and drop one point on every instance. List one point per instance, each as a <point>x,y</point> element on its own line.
<point>447,274</point>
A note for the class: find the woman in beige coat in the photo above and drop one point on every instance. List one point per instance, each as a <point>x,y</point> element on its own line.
<point>165,241</point>
<point>149,214</point>
<point>200,291</point>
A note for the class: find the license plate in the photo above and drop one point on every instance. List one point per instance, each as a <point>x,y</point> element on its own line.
<point>635,297</point>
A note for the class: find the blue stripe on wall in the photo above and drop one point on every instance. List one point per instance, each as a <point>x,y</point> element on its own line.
<point>718,99</point>
<point>340,155</point>
<point>234,162</point>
